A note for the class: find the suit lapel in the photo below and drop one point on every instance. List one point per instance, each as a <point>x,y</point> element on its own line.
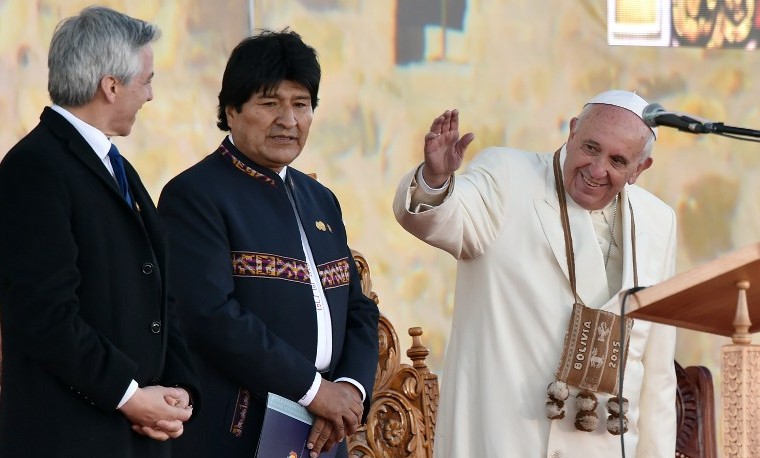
<point>591,275</point>
<point>547,210</point>
<point>145,212</point>
<point>589,265</point>
<point>79,148</point>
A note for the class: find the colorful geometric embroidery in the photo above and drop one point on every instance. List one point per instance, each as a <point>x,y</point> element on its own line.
<point>334,273</point>
<point>241,411</point>
<point>244,168</point>
<point>247,264</point>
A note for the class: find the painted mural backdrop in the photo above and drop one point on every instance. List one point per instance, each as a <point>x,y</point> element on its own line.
<point>702,23</point>
<point>518,70</point>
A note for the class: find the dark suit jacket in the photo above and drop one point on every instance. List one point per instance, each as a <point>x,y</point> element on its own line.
<point>83,297</point>
<point>243,292</point>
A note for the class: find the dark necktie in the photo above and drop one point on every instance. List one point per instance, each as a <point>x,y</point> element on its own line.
<point>118,170</point>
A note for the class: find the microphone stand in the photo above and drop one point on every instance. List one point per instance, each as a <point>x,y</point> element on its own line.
<point>738,133</point>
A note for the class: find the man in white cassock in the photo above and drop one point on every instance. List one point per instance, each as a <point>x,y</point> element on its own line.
<point>545,243</point>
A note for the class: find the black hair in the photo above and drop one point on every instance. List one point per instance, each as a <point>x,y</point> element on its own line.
<point>260,63</point>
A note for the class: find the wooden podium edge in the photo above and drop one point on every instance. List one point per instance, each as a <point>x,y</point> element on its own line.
<point>704,298</point>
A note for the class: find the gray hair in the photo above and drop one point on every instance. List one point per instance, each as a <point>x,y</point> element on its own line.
<point>646,152</point>
<point>96,43</point>
<point>648,147</point>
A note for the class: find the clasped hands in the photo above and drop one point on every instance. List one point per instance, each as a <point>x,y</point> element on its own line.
<point>158,412</point>
<point>338,413</point>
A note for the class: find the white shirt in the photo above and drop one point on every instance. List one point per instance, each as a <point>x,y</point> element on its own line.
<point>604,227</point>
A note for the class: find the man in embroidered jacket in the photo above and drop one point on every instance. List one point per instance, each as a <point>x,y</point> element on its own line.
<point>266,286</point>
<point>500,219</point>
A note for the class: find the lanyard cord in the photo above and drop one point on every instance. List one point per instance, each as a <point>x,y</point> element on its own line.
<point>571,272</point>
<point>569,254</point>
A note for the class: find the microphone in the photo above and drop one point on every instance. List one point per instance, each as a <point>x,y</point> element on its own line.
<point>655,115</point>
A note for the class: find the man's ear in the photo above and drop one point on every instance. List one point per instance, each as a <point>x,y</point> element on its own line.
<point>573,123</point>
<point>643,166</point>
<point>109,86</point>
<point>230,111</point>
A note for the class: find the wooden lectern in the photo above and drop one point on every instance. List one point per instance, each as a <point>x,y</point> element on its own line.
<point>717,297</point>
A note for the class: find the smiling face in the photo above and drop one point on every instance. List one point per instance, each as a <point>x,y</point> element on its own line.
<point>604,152</point>
<point>271,129</point>
<point>129,98</point>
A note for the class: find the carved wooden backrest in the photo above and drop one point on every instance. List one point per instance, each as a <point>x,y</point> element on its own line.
<point>401,419</point>
<point>696,413</point>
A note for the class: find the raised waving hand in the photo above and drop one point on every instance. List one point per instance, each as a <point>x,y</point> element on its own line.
<point>444,149</point>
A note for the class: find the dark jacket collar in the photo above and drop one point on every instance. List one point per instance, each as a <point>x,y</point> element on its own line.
<point>229,146</point>
<point>77,145</point>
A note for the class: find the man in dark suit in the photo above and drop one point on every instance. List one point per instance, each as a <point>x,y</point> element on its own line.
<point>266,287</point>
<point>93,362</point>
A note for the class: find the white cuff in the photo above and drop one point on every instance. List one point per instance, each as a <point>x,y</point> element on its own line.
<point>309,396</point>
<point>131,390</point>
<point>354,383</point>
<point>426,188</point>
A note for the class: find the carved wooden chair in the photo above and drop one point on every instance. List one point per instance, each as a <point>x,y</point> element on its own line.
<point>401,418</point>
<point>695,410</point>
